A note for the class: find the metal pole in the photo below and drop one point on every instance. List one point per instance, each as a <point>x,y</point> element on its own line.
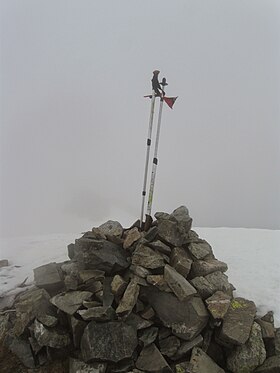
<point>155,160</point>
<point>149,141</point>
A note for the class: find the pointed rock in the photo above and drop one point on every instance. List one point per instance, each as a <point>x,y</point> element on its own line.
<point>70,302</point>
<point>151,360</point>
<point>250,355</point>
<point>181,261</point>
<point>201,362</point>
<point>238,321</point>
<point>205,267</point>
<point>159,282</point>
<point>112,341</point>
<point>132,236</point>
<point>180,286</point>
<point>218,304</point>
<point>129,299</point>
<point>118,286</point>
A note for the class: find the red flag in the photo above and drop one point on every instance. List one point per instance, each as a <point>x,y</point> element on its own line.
<point>170,101</point>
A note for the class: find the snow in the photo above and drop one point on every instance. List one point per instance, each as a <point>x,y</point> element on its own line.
<point>252,255</point>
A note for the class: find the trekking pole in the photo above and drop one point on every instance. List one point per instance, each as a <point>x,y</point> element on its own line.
<point>149,141</point>
<point>155,160</point>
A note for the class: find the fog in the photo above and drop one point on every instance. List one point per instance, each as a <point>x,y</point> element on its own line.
<point>74,121</point>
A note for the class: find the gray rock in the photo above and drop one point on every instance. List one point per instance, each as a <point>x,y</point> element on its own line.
<point>118,286</point>
<point>34,303</point>
<point>159,282</point>
<point>148,335</point>
<point>4,325</point>
<point>111,341</point>
<point>92,303</point>
<point>71,267</point>
<point>183,367</point>
<point>277,341</point>
<point>78,366</point>
<point>133,235</point>
<point>219,281</point>
<point>238,321</point>
<point>139,271</point>
<point>218,304</point>
<point>100,254</point>
<point>21,349</point>
<point>129,299</point>
<point>148,313</point>
<point>91,274</point>
<point>271,365</point>
<point>111,228</point>
<point>201,362</point>
<point>48,277</point>
<point>71,250</point>
<point>71,282</point>
<point>187,346</point>
<point>4,263</point>
<point>268,330</point>
<point>137,322</point>
<point>268,317</point>
<point>247,357</point>
<point>204,288</point>
<point>186,318</point>
<point>147,258</point>
<point>108,296</point>
<point>180,261</point>
<point>70,302</point>
<point>200,250</point>
<point>98,314</point>
<point>160,246</point>
<point>180,286</point>
<point>151,360</point>
<point>93,287</point>
<point>204,267</point>
<point>50,337</point>
<point>151,234</point>
<point>169,346</point>
<point>77,328</point>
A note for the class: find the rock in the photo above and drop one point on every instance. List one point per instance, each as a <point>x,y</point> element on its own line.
<point>137,322</point>
<point>78,366</point>
<point>277,341</point>
<point>247,357</point>
<point>71,282</point>
<point>139,271</point>
<point>111,228</point>
<point>50,337</point>
<point>187,346</point>
<point>148,335</point>
<point>218,304</point>
<point>151,234</point>
<point>200,250</point>
<point>98,314</point>
<point>203,286</point>
<point>21,349</point>
<point>48,277</point>
<point>169,346</point>
<point>271,365</point>
<point>148,313</point>
<point>34,303</point>
<point>151,360</point>
<point>118,286</point>
<point>268,331</point>
<point>108,296</point>
<point>183,367</point>
<point>4,325</point>
<point>4,263</point>
<point>159,282</point>
<point>268,317</point>
<point>205,267</point>
<point>91,274</point>
<point>133,235</point>
<point>160,246</point>
<point>164,333</point>
<point>180,261</point>
<point>238,321</point>
<point>186,318</point>
<point>93,287</point>
<point>129,299</point>
<point>71,250</point>
<point>146,257</point>
<point>112,341</point>
<point>77,328</point>
<point>180,286</point>
<point>100,254</point>
<point>219,281</point>
<point>92,303</point>
<point>201,362</point>
<point>70,302</point>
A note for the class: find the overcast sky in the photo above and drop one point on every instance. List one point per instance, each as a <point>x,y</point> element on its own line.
<point>74,121</point>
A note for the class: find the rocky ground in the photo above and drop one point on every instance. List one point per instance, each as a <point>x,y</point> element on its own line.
<point>131,300</point>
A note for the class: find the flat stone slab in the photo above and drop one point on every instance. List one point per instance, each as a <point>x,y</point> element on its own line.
<point>201,362</point>
<point>112,341</point>
<point>218,304</point>
<point>186,318</point>
<point>180,286</point>
<point>151,360</point>
<point>238,321</point>
<point>204,267</point>
<point>146,257</point>
<point>70,302</point>
<point>48,277</point>
<point>200,250</point>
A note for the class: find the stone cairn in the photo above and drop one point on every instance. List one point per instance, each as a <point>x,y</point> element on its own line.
<point>141,301</point>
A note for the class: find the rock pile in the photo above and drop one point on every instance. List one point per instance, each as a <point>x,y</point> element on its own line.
<point>141,301</point>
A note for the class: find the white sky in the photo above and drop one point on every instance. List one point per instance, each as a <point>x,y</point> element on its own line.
<point>74,121</point>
